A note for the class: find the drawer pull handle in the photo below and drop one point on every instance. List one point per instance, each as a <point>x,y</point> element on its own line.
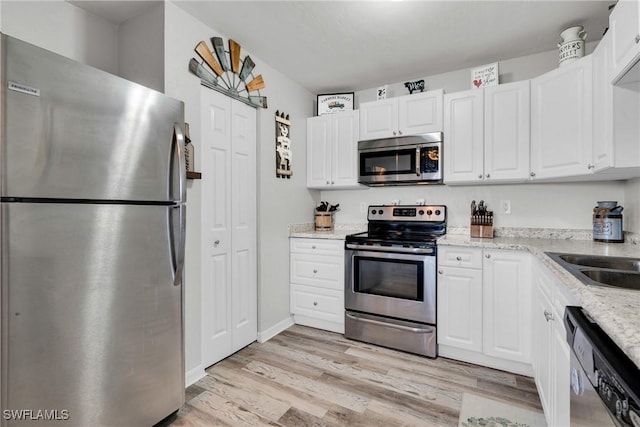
<point>458,258</point>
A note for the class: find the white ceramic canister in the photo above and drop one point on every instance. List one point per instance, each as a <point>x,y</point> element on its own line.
<point>572,45</point>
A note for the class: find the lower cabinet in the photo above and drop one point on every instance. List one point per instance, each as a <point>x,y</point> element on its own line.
<point>317,283</point>
<point>552,355</point>
<point>484,307</point>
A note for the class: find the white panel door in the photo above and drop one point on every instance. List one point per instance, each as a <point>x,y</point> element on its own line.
<point>506,132</point>
<point>420,113</point>
<point>229,276</point>
<point>507,305</point>
<point>243,236</point>
<point>379,119</point>
<point>460,307</point>
<point>319,151</point>
<point>345,131</point>
<point>464,134</point>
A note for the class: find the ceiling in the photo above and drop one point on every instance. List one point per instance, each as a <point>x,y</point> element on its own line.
<point>333,46</point>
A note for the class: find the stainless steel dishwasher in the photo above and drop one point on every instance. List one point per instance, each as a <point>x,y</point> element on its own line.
<point>605,383</point>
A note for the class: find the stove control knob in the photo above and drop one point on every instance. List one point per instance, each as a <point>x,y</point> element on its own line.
<point>437,211</point>
<point>429,211</point>
<point>373,212</point>
<point>421,212</point>
<point>380,211</point>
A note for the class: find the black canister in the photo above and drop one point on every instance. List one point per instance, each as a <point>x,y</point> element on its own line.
<point>607,222</point>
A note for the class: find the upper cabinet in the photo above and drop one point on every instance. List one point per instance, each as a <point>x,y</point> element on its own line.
<point>624,26</point>
<point>487,135</point>
<point>401,116</point>
<point>561,113</point>
<point>332,150</point>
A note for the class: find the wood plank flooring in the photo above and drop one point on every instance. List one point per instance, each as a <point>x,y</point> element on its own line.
<point>309,377</point>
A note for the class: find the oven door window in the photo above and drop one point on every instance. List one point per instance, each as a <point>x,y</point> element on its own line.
<point>393,162</point>
<point>390,278</point>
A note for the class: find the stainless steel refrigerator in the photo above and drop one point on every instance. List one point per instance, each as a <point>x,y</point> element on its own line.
<point>92,186</point>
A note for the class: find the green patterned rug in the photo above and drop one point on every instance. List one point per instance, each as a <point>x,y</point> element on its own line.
<point>478,411</point>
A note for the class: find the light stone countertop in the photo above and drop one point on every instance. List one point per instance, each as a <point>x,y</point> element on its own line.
<point>339,232</point>
<point>617,311</point>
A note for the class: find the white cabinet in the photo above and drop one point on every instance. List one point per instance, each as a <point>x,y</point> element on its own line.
<point>459,298</point>
<point>229,226</point>
<point>401,116</point>
<point>561,113</point>
<point>616,113</point>
<point>507,305</point>
<point>487,134</point>
<point>332,150</point>
<point>317,283</point>
<point>624,25</point>
<point>552,353</point>
<point>484,307</point>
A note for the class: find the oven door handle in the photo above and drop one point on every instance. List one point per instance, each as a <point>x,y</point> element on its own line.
<point>426,329</point>
<point>425,251</point>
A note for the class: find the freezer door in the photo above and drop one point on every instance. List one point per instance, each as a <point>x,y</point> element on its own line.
<point>71,131</point>
<point>91,313</point>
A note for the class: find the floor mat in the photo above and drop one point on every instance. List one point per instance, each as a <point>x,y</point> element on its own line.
<point>478,411</point>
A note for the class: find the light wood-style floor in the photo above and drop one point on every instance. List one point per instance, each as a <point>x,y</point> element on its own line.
<point>309,377</point>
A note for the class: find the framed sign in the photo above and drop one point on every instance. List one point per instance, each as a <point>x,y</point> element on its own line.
<point>487,75</point>
<point>334,102</point>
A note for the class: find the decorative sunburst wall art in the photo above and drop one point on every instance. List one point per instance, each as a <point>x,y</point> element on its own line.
<point>228,77</point>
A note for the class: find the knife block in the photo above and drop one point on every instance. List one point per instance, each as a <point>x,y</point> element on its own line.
<point>484,231</point>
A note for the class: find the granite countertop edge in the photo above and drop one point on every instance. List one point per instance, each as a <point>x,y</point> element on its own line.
<point>617,311</point>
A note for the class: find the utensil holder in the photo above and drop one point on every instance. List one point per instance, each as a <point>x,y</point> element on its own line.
<point>324,221</point>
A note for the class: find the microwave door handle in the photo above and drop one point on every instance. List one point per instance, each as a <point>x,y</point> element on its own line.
<point>418,161</point>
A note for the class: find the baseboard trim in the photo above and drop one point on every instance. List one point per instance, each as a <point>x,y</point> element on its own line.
<point>266,335</point>
<point>194,375</point>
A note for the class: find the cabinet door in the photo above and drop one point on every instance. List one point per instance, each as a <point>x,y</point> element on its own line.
<point>506,132</point>
<point>460,308</point>
<point>379,119</point>
<point>543,340</point>
<point>561,378</point>
<point>345,131</point>
<point>420,113</point>
<point>507,305</point>
<point>624,25</point>
<point>464,133</point>
<point>319,151</point>
<point>561,121</point>
<point>602,153</point>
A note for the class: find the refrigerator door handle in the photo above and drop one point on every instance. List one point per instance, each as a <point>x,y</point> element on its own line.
<point>177,253</point>
<point>178,141</point>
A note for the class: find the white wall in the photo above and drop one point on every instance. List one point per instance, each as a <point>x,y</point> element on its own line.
<point>280,202</point>
<point>64,29</point>
<point>141,48</point>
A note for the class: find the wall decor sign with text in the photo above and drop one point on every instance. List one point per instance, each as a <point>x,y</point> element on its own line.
<point>330,103</point>
<point>487,75</point>
<point>284,156</point>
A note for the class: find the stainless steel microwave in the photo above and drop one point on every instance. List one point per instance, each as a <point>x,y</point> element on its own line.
<point>404,160</point>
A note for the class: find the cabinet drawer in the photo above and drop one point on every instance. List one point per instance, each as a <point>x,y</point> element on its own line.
<point>318,303</point>
<point>455,256</point>
<point>317,246</point>
<point>317,270</point>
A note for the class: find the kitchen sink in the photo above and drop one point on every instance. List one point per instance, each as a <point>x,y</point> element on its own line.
<point>596,270</point>
<point>615,263</point>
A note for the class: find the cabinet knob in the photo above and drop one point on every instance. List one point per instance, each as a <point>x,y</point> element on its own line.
<point>327,182</point>
<point>591,166</point>
<point>458,258</point>
<point>440,272</point>
<point>532,174</point>
<point>332,182</point>
<point>315,303</point>
<point>488,176</point>
<point>548,316</point>
<point>216,243</point>
<point>480,176</point>
<point>399,132</point>
<point>313,246</point>
<point>315,271</point>
<point>487,256</point>
<point>637,38</point>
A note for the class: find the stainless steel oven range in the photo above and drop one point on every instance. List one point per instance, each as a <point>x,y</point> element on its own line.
<point>390,278</point>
